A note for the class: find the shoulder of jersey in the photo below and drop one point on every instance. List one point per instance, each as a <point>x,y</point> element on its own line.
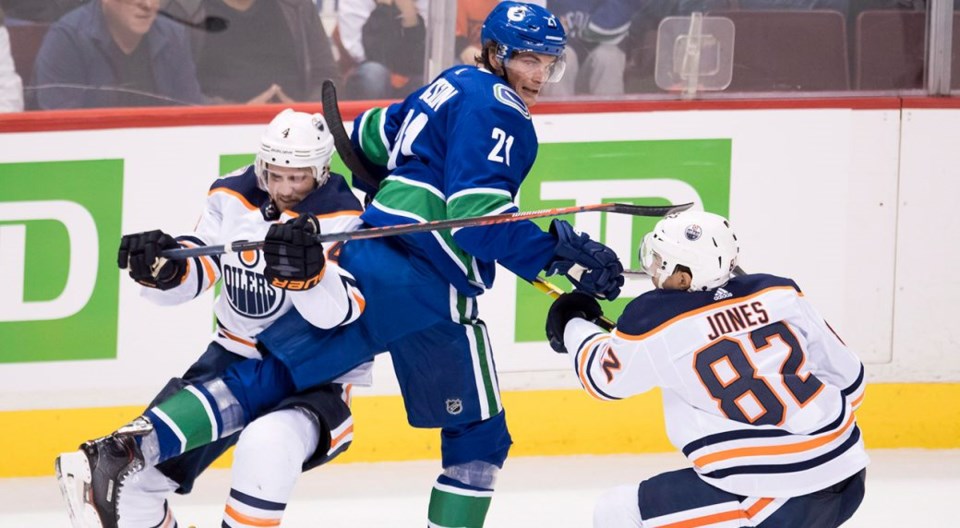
<point>242,184</point>
<point>654,308</point>
<point>335,196</point>
<point>480,84</point>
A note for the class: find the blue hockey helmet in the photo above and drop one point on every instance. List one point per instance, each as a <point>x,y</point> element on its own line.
<point>519,27</point>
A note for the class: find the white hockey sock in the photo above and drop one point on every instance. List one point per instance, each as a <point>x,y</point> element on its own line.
<point>143,501</point>
<point>266,464</point>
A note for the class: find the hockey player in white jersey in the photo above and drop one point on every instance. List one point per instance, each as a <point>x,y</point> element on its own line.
<point>759,393</point>
<point>287,196</point>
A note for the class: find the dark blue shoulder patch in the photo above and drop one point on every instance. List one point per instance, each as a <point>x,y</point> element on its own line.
<point>244,184</point>
<point>656,307</point>
<point>335,196</point>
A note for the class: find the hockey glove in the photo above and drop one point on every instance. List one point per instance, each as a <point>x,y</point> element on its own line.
<point>565,308</point>
<point>603,273</point>
<point>294,258</point>
<point>140,253</point>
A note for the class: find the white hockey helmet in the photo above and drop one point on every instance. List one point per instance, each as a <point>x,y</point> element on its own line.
<point>701,241</point>
<point>295,139</point>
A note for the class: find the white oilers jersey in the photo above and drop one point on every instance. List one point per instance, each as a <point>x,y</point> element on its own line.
<point>247,303</point>
<point>758,391</point>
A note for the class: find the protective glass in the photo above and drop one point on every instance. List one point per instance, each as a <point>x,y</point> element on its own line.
<point>529,64</point>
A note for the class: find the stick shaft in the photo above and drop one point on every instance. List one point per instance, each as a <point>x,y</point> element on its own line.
<point>436,225</point>
<point>554,291</point>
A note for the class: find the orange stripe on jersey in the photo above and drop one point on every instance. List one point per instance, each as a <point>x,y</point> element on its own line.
<point>758,506</point>
<point>336,441</point>
<point>249,520</point>
<point>706,520</point>
<point>582,368</point>
<point>856,403</point>
<point>207,266</point>
<point>234,337</point>
<point>359,298</point>
<point>713,518</point>
<point>798,447</point>
<point>235,194</point>
<point>691,313</point>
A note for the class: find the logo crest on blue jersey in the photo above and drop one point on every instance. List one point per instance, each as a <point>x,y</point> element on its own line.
<point>507,96</point>
<point>454,406</point>
<point>693,232</point>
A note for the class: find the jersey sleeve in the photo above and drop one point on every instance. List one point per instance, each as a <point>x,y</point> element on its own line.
<point>831,360</point>
<point>202,272</point>
<point>335,301</point>
<point>490,151</point>
<point>608,366</point>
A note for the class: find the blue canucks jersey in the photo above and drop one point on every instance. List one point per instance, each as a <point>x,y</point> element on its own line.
<point>458,147</point>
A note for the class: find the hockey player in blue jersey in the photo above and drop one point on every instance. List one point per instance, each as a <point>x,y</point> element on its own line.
<point>290,182</point>
<point>458,147</point>
<point>759,393</point>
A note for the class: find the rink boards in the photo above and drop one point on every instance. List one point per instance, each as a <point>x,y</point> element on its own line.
<point>851,198</point>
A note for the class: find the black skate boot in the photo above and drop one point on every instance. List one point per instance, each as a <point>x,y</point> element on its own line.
<point>92,478</point>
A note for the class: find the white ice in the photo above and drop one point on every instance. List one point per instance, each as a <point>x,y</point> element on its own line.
<point>914,488</point>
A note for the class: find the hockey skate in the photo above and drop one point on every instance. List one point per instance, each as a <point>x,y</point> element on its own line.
<point>92,478</point>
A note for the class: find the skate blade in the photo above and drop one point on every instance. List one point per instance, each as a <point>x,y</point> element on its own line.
<point>73,476</point>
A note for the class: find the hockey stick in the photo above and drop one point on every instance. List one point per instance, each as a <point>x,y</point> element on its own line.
<point>210,24</point>
<point>554,291</point>
<point>437,225</point>
<point>331,112</point>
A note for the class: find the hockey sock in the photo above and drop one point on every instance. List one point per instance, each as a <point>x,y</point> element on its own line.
<point>455,504</point>
<point>194,416</point>
<point>143,501</point>
<point>266,464</point>
<point>244,511</point>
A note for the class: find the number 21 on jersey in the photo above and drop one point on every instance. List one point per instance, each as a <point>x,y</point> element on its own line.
<point>501,150</point>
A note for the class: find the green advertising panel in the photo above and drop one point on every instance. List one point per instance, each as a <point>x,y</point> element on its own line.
<point>619,171</point>
<point>59,229</point>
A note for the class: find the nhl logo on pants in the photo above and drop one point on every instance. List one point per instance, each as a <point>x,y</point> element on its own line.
<point>454,406</point>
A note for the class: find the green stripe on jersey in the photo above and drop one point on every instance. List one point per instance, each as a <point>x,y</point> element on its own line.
<point>476,204</point>
<point>371,139</point>
<point>415,201</point>
<point>189,416</point>
<point>451,510</point>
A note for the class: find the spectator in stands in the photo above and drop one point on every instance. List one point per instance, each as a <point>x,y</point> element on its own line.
<point>384,43</point>
<point>115,53</point>
<point>595,59</point>
<point>271,50</point>
<point>11,88</point>
<point>470,17</point>
<point>44,11</point>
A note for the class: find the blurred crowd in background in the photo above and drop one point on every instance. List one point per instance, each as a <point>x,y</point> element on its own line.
<point>60,54</point>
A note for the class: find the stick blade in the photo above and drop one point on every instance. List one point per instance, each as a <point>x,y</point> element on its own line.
<point>649,210</point>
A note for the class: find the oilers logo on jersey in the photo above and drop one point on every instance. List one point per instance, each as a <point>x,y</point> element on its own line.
<point>247,290</point>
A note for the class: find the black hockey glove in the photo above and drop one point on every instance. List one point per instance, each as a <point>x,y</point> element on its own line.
<point>140,253</point>
<point>603,275</point>
<point>565,308</point>
<point>293,255</point>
